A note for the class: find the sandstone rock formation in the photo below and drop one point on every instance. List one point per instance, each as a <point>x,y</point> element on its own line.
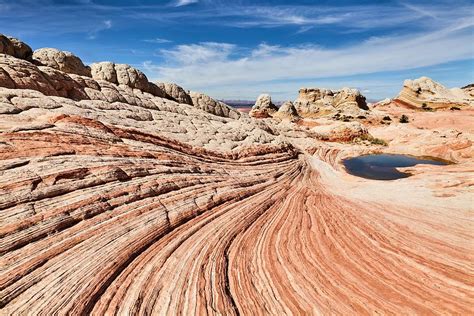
<point>315,102</point>
<point>469,89</point>
<point>424,92</point>
<point>175,92</point>
<point>287,111</point>
<point>115,200</point>
<point>342,132</point>
<point>60,60</point>
<point>263,107</point>
<point>208,104</point>
<point>14,47</point>
<point>382,103</point>
<point>120,74</point>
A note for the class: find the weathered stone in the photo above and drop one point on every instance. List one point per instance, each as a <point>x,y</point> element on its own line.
<point>175,92</point>
<point>208,104</point>
<point>424,92</point>
<point>104,71</point>
<point>61,60</point>
<point>287,111</point>
<point>14,47</point>
<point>263,107</point>
<point>315,102</point>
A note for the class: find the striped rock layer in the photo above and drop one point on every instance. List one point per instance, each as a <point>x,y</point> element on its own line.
<point>127,203</point>
<point>425,93</point>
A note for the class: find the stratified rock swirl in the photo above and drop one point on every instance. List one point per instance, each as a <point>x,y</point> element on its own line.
<point>117,221</point>
<point>119,196</point>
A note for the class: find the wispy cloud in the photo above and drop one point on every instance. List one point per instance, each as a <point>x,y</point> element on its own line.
<point>343,19</point>
<point>157,40</point>
<point>305,17</point>
<point>202,53</point>
<point>422,11</point>
<point>105,25</point>
<point>180,3</point>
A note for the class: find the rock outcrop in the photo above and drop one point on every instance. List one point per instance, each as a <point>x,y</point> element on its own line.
<point>208,104</point>
<point>315,102</point>
<point>116,200</point>
<point>121,74</point>
<point>175,92</point>
<point>469,90</point>
<point>263,107</point>
<point>427,93</point>
<point>61,60</point>
<point>342,132</point>
<point>287,111</point>
<point>14,47</point>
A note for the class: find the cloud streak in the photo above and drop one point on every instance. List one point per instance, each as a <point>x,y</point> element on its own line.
<point>105,25</point>
<point>158,40</point>
<point>181,3</point>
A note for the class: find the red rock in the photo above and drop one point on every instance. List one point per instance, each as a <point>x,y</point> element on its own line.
<point>116,200</point>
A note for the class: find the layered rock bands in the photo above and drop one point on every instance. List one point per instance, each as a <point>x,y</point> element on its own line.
<point>121,197</point>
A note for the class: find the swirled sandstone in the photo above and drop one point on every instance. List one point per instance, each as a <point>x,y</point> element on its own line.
<point>116,200</point>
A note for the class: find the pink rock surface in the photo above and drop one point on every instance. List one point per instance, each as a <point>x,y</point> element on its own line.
<point>115,200</point>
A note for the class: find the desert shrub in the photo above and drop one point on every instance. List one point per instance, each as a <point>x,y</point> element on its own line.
<point>455,108</point>
<point>425,107</point>
<point>347,118</point>
<point>373,140</point>
<point>361,117</point>
<point>378,141</point>
<point>387,118</point>
<point>404,119</point>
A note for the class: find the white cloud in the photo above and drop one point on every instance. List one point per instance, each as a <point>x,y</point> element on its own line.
<point>180,3</point>
<point>420,10</point>
<point>207,66</point>
<point>202,53</point>
<point>158,40</point>
<point>105,25</point>
<point>264,50</point>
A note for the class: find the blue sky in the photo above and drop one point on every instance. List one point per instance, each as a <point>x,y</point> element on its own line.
<point>239,49</point>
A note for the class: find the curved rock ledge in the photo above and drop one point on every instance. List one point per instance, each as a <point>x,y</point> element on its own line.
<point>118,201</point>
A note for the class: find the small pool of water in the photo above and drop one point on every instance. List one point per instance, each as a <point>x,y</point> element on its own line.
<point>383,166</point>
